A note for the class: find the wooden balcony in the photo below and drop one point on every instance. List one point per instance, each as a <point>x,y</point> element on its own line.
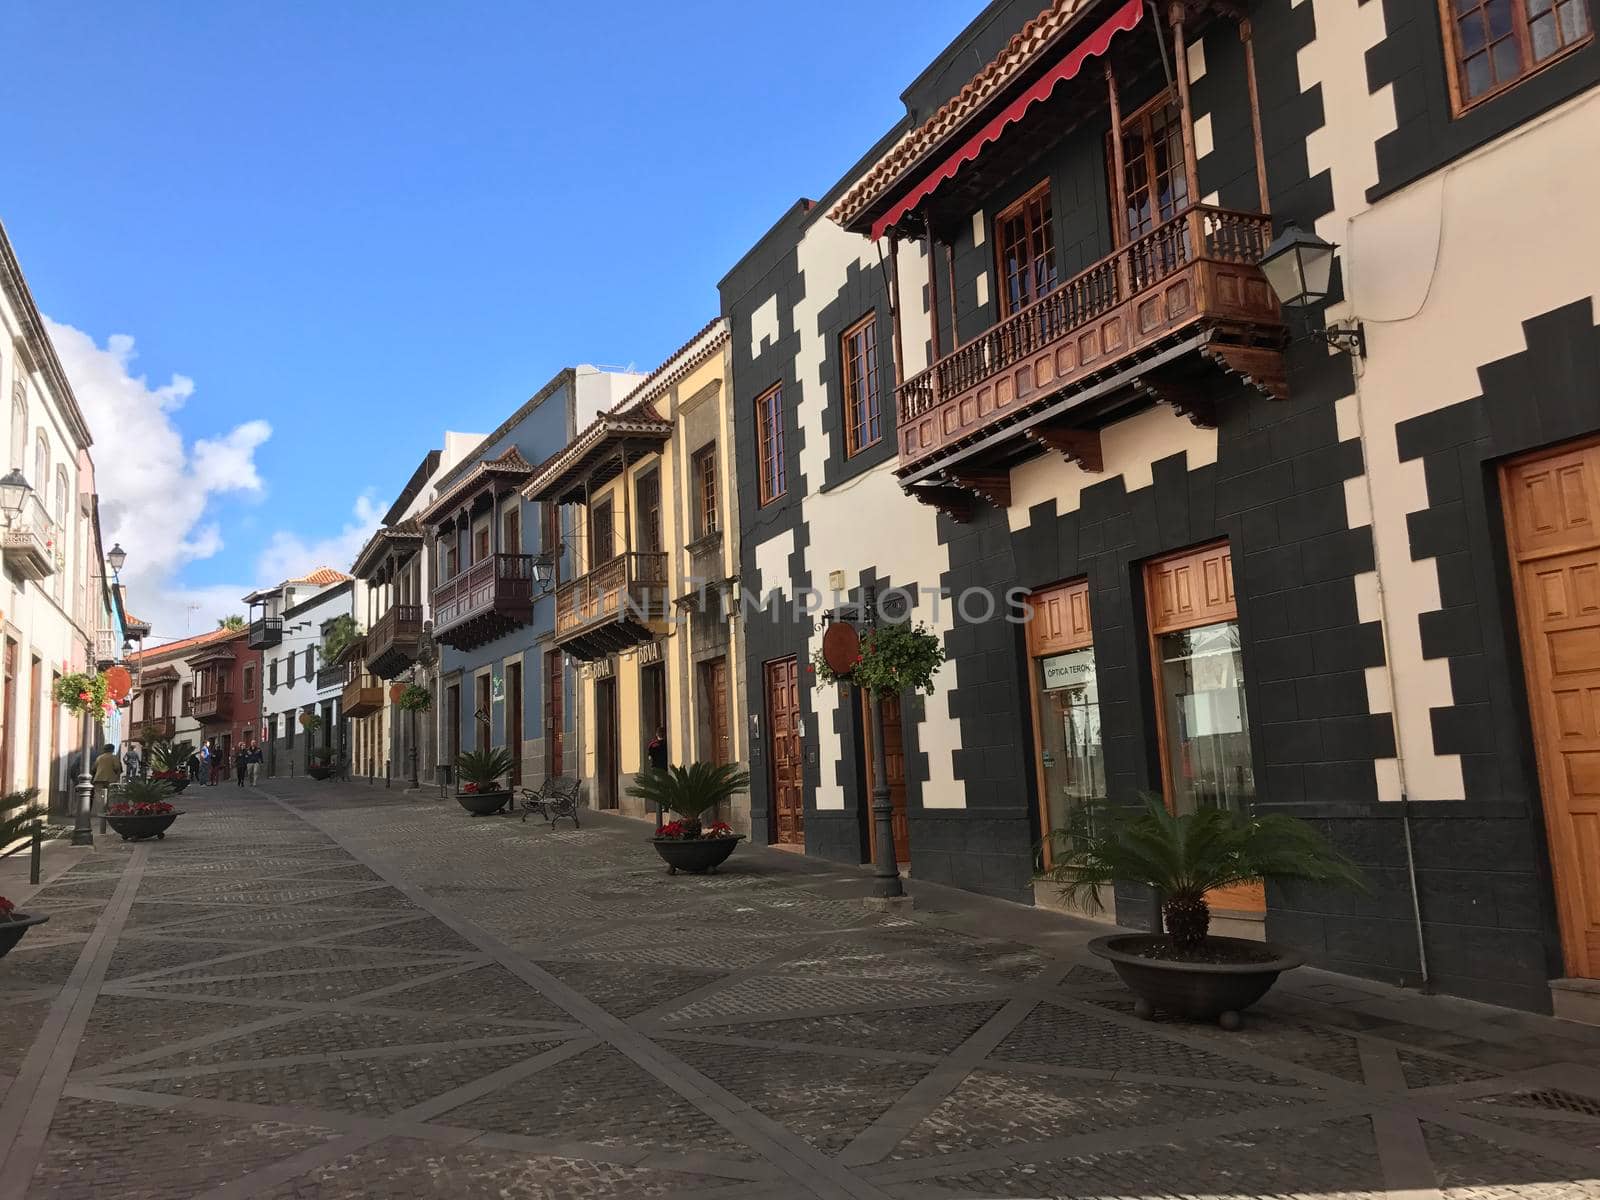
<point>332,677</point>
<point>1148,321</point>
<point>484,602</point>
<point>362,696</point>
<point>613,607</point>
<point>153,729</point>
<point>32,542</point>
<point>265,633</point>
<point>392,643</point>
<point>214,708</point>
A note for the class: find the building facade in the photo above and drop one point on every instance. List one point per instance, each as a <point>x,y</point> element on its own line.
<point>649,605</point>
<point>1175,540</point>
<point>493,618</point>
<point>54,619</point>
<point>225,698</point>
<point>286,629</point>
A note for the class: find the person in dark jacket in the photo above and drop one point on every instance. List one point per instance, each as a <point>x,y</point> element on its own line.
<point>241,763</point>
<point>656,754</point>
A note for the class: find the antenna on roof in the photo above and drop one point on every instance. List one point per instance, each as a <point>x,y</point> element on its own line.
<point>188,611</point>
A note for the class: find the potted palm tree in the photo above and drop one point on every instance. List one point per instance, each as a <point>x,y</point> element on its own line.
<point>169,760</point>
<point>142,808</point>
<point>687,844</point>
<point>17,819</point>
<point>479,774</point>
<point>1183,970</point>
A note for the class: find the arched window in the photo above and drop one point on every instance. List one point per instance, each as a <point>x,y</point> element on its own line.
<point>63,492</point>
<point>19,424</point>
<point>41,464</point>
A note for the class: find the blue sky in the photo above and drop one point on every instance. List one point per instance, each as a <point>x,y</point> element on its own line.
<point>363,222</point>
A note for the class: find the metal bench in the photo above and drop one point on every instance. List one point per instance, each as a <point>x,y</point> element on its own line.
<point>555,798</point>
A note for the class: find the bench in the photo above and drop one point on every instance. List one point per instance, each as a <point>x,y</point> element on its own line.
<point>555,798</point>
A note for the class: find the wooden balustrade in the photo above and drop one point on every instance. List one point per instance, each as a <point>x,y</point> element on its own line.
<point>624,593</point>
<point>392,643</point>
<point>1200,264</point>
<point>485,601</point>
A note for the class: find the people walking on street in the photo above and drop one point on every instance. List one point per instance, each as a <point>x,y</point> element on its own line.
<point>241,763</point>
<point>208,765</point>
<point>193,766</point>
<point>133,761</point>
<point>254,762</point>
<point>107,770</point>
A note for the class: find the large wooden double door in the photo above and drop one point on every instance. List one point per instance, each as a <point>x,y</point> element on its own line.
<point>782,688</point>
<point>1552,504</point>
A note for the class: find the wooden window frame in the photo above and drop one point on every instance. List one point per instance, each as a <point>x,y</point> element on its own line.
<point>1020,205</point>
<point>1459,101</point>
<point>1040,646</point>
<point>602,504</point>
<point>1141,116</point>
<point>773,484</point>
<point>871,405</point>
<point>703,470</point>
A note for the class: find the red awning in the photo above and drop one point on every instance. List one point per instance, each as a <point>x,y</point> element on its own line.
<point>1093,46</point>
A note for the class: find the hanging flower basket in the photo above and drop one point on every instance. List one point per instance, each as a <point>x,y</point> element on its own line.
<point>82,694</point>
<point>893,659</point>
<point>310,721</point>
<point>414,698</point>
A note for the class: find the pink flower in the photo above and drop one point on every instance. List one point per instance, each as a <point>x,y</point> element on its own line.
<point>83,695</point>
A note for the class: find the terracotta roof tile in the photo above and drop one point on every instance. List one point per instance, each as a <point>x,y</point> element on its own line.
<point>322,577</point>
<point>1019,53</point>
<point>183,646</point>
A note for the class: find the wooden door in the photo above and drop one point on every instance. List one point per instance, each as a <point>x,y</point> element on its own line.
<point>483,713</point>
<point>8,720</point>
<point>36,703</point>
<point>514,720</point>
<point>783,741</point>
<point>1552,505</point>
<point>1193,591</point>
<point>714,695</point>
<point>57,792</point>
<point>452,720</point>
<point>605,742</point>
<point>555,715</point>
<point>894,768</point>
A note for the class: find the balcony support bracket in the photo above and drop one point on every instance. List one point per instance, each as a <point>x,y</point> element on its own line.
<point>1259,366</point>
<point>993,486</point>
<point>954,502</point>
<point>1185,397</point>
<point>1080,446</point>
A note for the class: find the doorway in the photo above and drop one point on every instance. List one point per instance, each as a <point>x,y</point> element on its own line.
<point>715,736</point>
<point>1062,682</point>
<point>452,727</point>
<point>1550,504</point>
<point>36,702</point>
<point>894,769</point>
<point>782,693</point>
<point>555,717</point>
<point>514,720</point>
<point>8,717</point>
<point>605,743</point>
<point>483,710</point>
<point>652,706</point>
<point>1202,721</point>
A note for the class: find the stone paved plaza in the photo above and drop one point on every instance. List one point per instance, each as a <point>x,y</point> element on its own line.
<point>336,991</point>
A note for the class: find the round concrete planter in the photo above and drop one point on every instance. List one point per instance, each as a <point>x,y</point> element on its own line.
<point>134,829</point>
<point>11,931</point>
<point>320,773</point>
<point>695,855</point>
<point>482,804</point>
<point>1198,991</point>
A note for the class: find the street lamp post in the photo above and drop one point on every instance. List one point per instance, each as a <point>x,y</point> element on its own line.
<point>82,831</point>
<point>885,868</point>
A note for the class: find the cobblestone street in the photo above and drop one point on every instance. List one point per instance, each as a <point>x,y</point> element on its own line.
<point>331,991</point>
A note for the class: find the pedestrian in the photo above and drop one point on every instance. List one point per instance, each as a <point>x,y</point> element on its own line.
<point>656,754</point>
<point>241,763</point>
<point>107,770</point>
<point>255,762</point>
<point>208,765</point>
<point>133,761</point>
<point>192,765</point>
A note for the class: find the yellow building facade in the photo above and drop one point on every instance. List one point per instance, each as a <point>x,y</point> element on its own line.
<point>647,605</point>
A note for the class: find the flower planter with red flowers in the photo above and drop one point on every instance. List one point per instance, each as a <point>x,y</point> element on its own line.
<point>141,810</point>
<point>687,844</point>
<point>480,771</point>
<point>14,924</point>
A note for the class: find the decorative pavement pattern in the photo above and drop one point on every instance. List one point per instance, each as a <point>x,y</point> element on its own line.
<point>335,991</point>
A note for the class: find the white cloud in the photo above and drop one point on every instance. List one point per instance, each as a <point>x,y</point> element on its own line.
<point>155,491</point>
<point>288,556</point>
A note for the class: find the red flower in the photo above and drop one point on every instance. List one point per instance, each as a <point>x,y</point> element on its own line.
<point>469,788</point>
<point>6,908</point>
<point>672,829</point>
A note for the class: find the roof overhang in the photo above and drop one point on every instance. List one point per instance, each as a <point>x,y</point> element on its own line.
<point>499,475</point>
<point>1050,49</point>
<point>221,652</point>
<point>594,456</point>
<point>404,538</point>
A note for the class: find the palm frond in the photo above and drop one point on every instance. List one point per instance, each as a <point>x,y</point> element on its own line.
<point>483,767</point>
<point>691,790</point>
<point>17,815</point>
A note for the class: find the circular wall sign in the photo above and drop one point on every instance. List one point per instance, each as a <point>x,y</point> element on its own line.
<point>118,683</point>
<point>396,690</point>
<point>841,647</point>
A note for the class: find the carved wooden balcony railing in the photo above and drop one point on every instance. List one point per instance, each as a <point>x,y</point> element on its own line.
<point>32,541</point>
<point>154,728</point>
<point>334,676</point>
<point>486,601</point>
<point>1199,269</point>
<point>392,643</point>
<point>612,607</point>
<point>362,696</point>
<point>265,633</point>
<point>213,707</point>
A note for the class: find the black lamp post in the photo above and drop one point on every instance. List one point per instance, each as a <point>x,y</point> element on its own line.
<point>885,867</point>
<point>82,831</point>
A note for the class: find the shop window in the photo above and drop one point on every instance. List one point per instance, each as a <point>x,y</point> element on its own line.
<point>1070,762</point>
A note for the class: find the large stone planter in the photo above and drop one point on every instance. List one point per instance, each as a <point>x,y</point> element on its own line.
<point>134,829</point>
<point>11,931</point>
<point>1198,991</point>
<point>695,855</point>
<point>483,804</point>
